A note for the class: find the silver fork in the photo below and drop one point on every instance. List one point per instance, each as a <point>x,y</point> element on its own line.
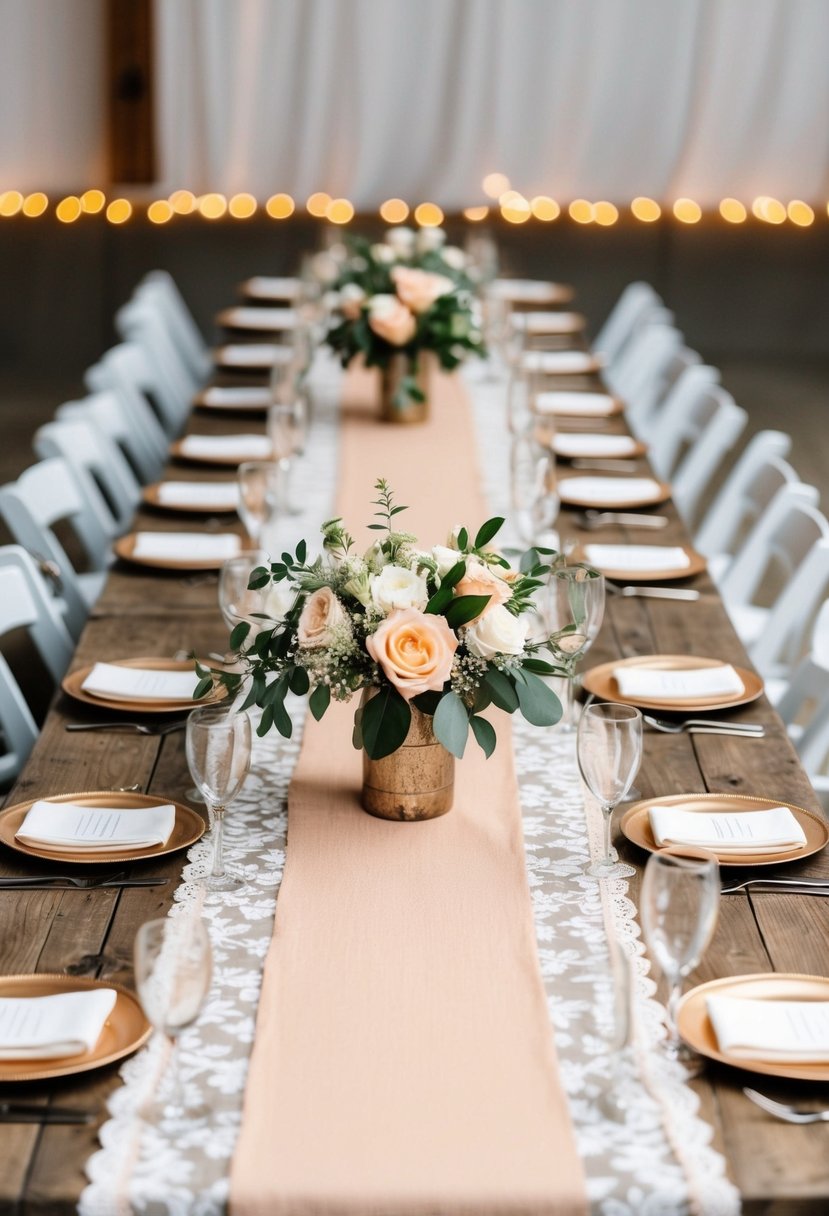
<point>652,593</point>
<point>591,518</point>
<point>797,886</point>
<point>788,1113</point>
<point>140,728</point>
<point>703,725</point>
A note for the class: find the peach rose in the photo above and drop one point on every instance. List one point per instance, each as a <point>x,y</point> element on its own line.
<point>419,288</point>
<point>480,580</point>
<point>414,650</point>
<point>391,320</point>
<point>320,616</point>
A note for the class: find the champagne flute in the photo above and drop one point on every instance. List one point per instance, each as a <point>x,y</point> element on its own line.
<point>287,431</point>
<point>218,745</point>
<point>679,906</point>
<point>609,752</point>
<point>259,497</point>
<point>535,499</point>
<point>574,601</point>
<point>173,966</point>
<point>236,601</point>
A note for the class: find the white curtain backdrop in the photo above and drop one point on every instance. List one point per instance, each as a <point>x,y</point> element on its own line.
<point>369,99</point>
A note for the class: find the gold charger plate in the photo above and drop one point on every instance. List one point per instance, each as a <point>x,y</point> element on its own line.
<point>178,452</point>
<point>636,449</point>
<point>599,680</point>
<point>695,1026</point>
<point>636,826</point>
<point>572,414</point>
<point>124,547</point>
<point>661,493</point>
<point>189,827</point>
<point>150,496</point>
<point>125,1030</point>
<point>697,564</point>
<point>71,685</point>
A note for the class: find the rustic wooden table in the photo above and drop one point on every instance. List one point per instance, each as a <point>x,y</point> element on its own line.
<point>778,1168</point>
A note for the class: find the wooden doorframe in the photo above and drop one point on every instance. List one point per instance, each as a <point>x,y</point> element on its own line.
<point>130,91</point>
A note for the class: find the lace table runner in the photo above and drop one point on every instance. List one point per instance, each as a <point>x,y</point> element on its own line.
<point>651,1155</point>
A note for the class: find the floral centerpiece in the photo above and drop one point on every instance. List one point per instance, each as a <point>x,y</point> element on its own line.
<point>431,638</point>
<point>399,298</point>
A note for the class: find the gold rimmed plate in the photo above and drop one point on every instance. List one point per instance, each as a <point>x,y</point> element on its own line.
<point>72,686</point>
<point>239,398</point>
<point>178,451</point>
<point>125,1030</point>
<point>150,496</point>
<point>695,1026</point>
<point>567,446</point>
<point>124,547</point>
<point>573,494</point>
<point>636,826</point>
<point>696,565</point>
<point>601,682</point>
<point>189,827</point>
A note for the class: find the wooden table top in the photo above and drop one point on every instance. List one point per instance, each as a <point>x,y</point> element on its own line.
<point>778,1168</point>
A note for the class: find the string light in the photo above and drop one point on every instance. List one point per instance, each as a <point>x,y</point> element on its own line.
<point>800,213</point>
<point>646,209</point>
<point>544,208</point>
<point>394,211</point>
<point>242,206</point>
<point>317,204</point>
<point>495,184</point>
<point>581,211</point>
<point>183,202</point>
<point>732,209</point>
<point>475,214</point>
<point>68,209</point>
<point>605,214</point>
<point>768,209</point>
<point>212,206</point>
<point>11,201</point>
<point>687,211</point>
<point>160,211</point>
<point>119,211</point>
<point>339,211</point>
<point>92,201</point>
<point>428,215</point>
<point>514,207</point>
<point>35,204</point>
<point>280,206</point>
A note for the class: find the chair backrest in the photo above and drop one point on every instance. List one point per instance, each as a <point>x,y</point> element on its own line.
<point>782,642</point>
<point>808,689</point>
<point>751,485</point>
<point>160,286</point>
<point>661,357</point>
<point>130,423</point>
<point>128,370</point>
<point>635,302</point>
<point>777,545</point>
<point>143,322</point>
<point>86,447</point>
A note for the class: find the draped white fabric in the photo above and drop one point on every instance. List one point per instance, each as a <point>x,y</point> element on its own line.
<point>420,98</point>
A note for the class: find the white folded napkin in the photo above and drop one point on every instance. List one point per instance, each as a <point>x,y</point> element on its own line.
<point>741,832</point>
<point>558,362</point>
<point>796,1032</point>
<point>586,405</point>
<point>271,287</point>
<point>259,318</point>
<point>637,558</point>
<point>66,827</point>
<point>548,322</point>
<point>525,291</point>
<point>186,546</point>
<point>600,490</point>
<point>240,396</point>
<point>656,684</point>
<point>216,494</point>
<point>115,682</point>
<point>573,444</point>
<point>49,1027</point>
<point>231,447</point>
<point>250,354</point>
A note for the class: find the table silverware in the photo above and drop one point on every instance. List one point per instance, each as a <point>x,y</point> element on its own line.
<point>797,886</point>
<point>616,465</point>
<point>30,1112</point>
<point>68,882</point>
<point>140,728</point>
<point>591,518</point>
<point>652,593</point>
<point>700,725</point>
<point>790,1114</point>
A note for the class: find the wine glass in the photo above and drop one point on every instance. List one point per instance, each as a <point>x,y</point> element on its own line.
<point>574,601</point>
<point>679,906</point>
<point>259,496</point>
<point>218,747</point>
<point>609,751</point>
<point>173,965</point>
<point>236,601</point>
<point>535,499</point>
<point>287,431</point>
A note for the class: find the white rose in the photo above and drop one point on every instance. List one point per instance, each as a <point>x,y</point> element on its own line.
<point>452,538</point>
<point>278,599</point>
<point>497,632</point>
<point>454,257</point>
<point>397,587</point>
<point>429,239</point>
<point>324,268</point>
<point>445,557</point>
<point>401,240</point>
<point>351,300</point>
<point>383,253</point>
<point>321,616</point>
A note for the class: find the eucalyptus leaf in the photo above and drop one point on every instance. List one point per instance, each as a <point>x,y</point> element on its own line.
<point>319,701</point>
<point>385,723</point>
<point>451,724</point>
<point>484,733</point>
<point>427,702</point>
<point>464,609</point>
<point>502,690</point>
<point>539,704</point>
<point>487,530</point>
<point>239,634</point>
<point>299,682</point>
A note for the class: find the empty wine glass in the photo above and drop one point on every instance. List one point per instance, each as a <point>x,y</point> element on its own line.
<point>236,601</point>
<point>173,966</point>
<point>218,747</point>
<point>535,499</point>
<point>574,601</point>
<point>287,431</point>
<point>609,751</point>
<point>679,906</point>
<point>260,489</point>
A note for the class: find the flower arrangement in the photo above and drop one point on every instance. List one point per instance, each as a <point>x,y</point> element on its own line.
<point>401,296</point>
<point>444,630</point>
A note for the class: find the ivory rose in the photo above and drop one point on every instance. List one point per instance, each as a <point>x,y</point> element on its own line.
<point>320,617</point>
<point>396,587</point>
<point>480,580</point>
<point>402,240</point>
<point>392,320</point>
<point>420,288</point>
<point>351,301</point>
<point>445,557</point>
<point>414,651</point>
<point>497,632</point>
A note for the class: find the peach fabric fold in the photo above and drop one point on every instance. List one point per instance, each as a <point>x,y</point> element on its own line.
<point>404,1063</point>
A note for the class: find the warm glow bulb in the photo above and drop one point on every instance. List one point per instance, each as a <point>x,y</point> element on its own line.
<point>394,211</point>
<point>280,206</point>
<point>11,202</point>
<point>160,211</point>
<point>242,206</point>
<point>605,214</point>
<point>768,209</point>
<point>428,215</point>
<point>475,214</point>
<point>317,204</point>
<point>800,213</point>
<point>581,211</point>
<point>212,206</point>
<point>509,197</point>
<point>732,209</point>
<point>687,211</point>
<point>92,201</point>
<point>119,211</point>
<point>515,214</point>
<point>183,202</point>
<point>494,184</point>
<point>35,204</point>
<point>68,209</point>
<point>339,211</point>
<point>544,208</point>
<point>646,209</point>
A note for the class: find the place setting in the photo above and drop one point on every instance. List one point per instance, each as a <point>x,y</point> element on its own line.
<point>259,319</point>
<point>150,685</point>
<point>193,497</point>
<point>595,406</point>
<point>644,563</point>
<point>228,450</point>
<point>248,356</point>
<point>674,683</point>
<point>238,398</point>
<point>611,493</point>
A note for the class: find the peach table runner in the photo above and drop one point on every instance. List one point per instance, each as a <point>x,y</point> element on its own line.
<point>403,1060</point>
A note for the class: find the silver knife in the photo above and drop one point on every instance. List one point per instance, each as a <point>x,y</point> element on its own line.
<point>60,884</point>
<point>798,886</point>
<point>30,1112</point>
<point>660,593</point>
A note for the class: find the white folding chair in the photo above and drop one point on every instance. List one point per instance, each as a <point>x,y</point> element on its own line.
<point>160,286</point>
<point>696,426</point>
<point>47,495</point>
<point>24,603</point>
<point>128,370</point>
<point>85,447</point>
<point>129,423</point>
<point>647,371</point>
<point>804,706</point>
<point>635,303</point>
<point>141,321</point>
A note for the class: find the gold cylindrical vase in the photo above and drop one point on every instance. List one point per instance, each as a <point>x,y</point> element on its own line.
<point>394,407</point>
<point>415,782</point>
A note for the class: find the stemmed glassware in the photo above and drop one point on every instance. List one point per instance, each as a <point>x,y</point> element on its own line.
<point>236,601</point>
<point>288,431</point>
<point>609,751</point>
<point>679,907</point>
<point>574,601</point>
<point>173,967</point>
<point>259,497</point>
<point>535,499</point>
<point>218,747</point>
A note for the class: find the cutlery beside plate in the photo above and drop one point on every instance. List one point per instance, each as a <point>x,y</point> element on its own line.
<point>30,1112</point>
